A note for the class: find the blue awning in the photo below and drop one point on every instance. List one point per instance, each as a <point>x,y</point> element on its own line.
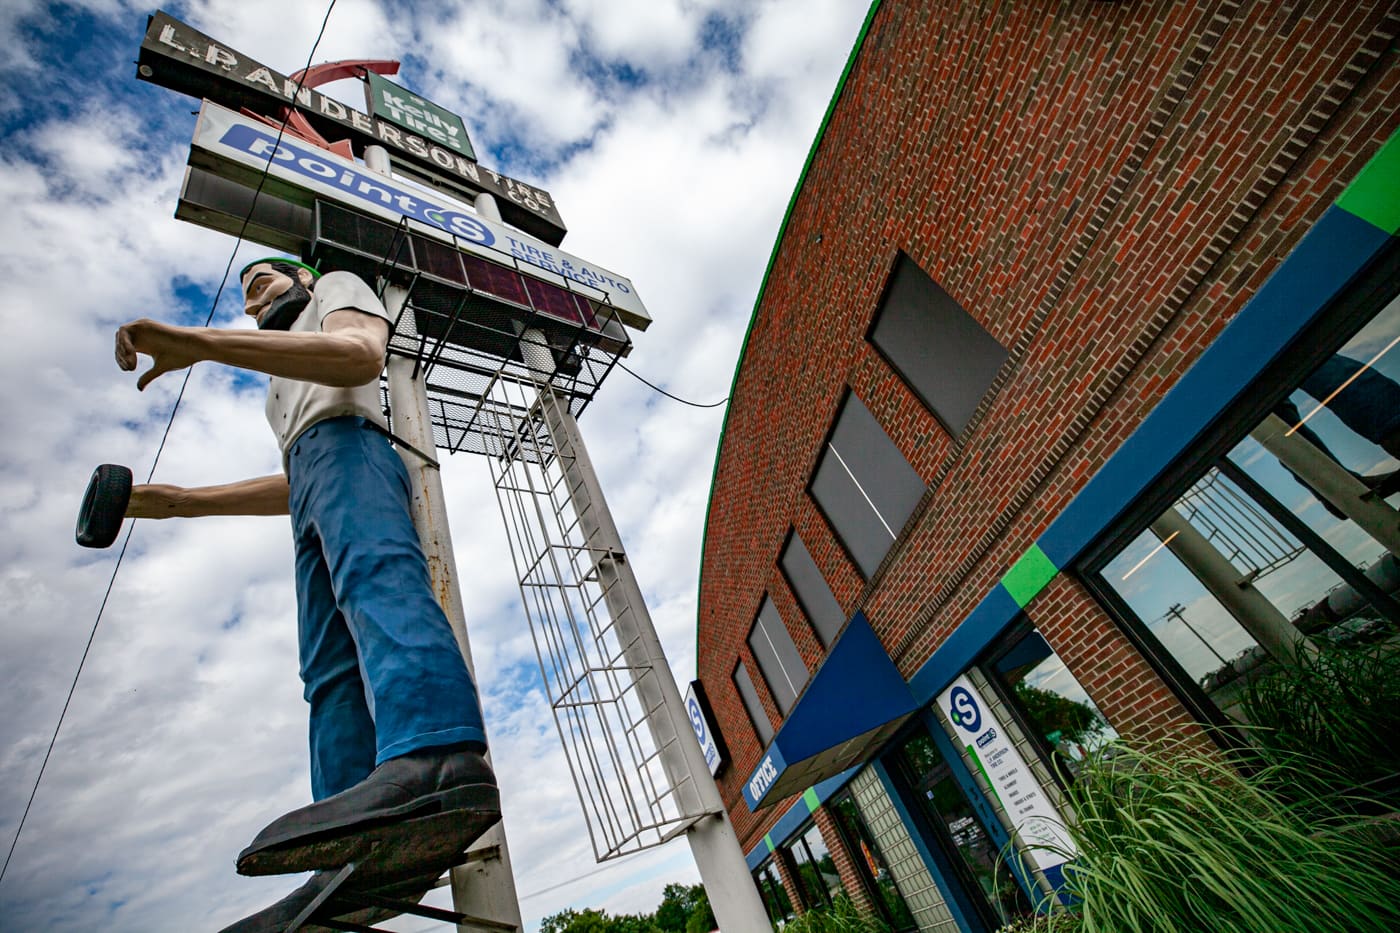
<point>853,704</point>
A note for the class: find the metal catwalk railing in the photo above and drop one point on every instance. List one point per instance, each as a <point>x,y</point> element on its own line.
<point>601,680</point>
<point>1253,542</point>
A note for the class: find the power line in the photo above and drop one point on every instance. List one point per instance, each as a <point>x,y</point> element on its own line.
<point>262,178</point>
<point>668,394</point>
<point>588,874</point>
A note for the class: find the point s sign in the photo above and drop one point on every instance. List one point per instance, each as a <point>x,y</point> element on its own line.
<point>963,709</point>
<point>699,717</point>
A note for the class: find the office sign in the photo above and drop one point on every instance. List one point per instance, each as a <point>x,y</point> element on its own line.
<point>404,108</point>
<point>176,56</point>
<point>237,148</point>
<point>759,783</point>
<point>1035,818</point>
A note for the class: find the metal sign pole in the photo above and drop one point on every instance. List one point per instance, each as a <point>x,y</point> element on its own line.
<point>713,843</point>
<point>485,885</point>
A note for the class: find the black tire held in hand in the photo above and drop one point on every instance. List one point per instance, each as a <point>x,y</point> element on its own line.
<point>104,506</point>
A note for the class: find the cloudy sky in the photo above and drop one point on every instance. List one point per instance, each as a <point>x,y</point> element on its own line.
<point>669,132</point>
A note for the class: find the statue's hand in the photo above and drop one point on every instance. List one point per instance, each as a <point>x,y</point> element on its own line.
<point>156,500</point>
<point>167,346</point>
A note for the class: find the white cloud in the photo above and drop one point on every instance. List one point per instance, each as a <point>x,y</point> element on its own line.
<point>506,67</point>
<point>642,32</point>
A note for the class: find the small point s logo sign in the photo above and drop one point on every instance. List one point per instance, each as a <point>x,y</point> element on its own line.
<point>963,709</point>
<point>697,718</point>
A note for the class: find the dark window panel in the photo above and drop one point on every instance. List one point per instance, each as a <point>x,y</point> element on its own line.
<point>884,476</point>
<point>851,517</point>
<point>940,350</point>
<point>778,658</point>
<point>757,715</point>
<point>864,486</point>
<point>811,589</point>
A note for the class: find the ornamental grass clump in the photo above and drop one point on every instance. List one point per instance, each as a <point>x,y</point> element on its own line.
<point>1176,841</point>
<point>841,917</point>
<point>1330,720</point>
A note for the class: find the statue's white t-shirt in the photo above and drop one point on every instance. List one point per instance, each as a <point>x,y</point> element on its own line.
<point>294,405</point>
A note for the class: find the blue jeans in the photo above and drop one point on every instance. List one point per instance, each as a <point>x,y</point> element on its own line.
<point>382,670</point>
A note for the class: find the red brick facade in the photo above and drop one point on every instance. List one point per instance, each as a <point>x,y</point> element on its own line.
<point>1102,185</point>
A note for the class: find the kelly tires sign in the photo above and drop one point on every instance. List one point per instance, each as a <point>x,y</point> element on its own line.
<point>403,108</point>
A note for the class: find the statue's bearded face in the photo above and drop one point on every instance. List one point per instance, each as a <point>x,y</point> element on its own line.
<point>274,298</point>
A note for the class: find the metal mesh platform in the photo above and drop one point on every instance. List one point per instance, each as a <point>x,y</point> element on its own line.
<point>1253,542</point>
<point>512,353</point>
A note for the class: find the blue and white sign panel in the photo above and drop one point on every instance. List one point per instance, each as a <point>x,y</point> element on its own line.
<point>772,765</point>
<point>1039,824</point>
<point>224,136</point>
<point>704,730</point>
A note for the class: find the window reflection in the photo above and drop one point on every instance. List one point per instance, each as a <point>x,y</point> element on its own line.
<point>870,864</point>
<point>775,896</point>
<point>815,869</point>
<point>1278,568</point>
<point>986,876</point>
<point>1053,701</point>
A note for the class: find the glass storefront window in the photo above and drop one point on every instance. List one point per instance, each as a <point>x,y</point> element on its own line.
<point>1179,612</point>
<point>985,875</point>
<point>775,896</point>
<point>1053,702</point>
<point>1280,567</point>
<point>870,864</point>
<point>815,868</point>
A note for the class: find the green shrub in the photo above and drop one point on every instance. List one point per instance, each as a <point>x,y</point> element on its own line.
<point>1331,720</point>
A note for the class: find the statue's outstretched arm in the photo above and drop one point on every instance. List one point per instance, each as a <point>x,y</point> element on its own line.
<point>266,495</point>
<point>347,351</point>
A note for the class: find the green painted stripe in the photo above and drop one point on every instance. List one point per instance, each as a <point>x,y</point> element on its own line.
<point>768,841</point>
<point>1029,575</point>
<point>809,797</point>
<point>1374,194</point>
<point>763,287</point>
<point>982,769</point>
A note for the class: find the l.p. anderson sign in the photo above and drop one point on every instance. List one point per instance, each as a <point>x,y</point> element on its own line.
<point>176,56</point>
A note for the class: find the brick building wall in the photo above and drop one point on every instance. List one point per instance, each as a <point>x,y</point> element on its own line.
<point>1102,186</point>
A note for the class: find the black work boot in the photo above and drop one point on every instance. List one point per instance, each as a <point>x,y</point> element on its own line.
<point>416,810</point>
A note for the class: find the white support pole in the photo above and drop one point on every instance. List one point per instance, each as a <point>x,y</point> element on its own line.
<point>1237,593</point>
<point>485,886</point>
<point>1332,481</point>
<point>713,843</point>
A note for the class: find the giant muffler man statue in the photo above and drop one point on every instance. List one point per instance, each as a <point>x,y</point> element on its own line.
<point>398,775</point>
